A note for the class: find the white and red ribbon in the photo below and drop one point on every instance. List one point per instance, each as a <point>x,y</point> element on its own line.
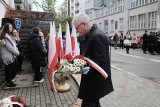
<point>90,62</point>
<point>97,67</point>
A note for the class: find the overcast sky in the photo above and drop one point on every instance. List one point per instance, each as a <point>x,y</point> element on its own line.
<point>58,4</point>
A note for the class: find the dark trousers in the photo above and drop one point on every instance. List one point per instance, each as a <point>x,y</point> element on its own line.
<point>121,44</point>
<point>144,47</point>
<point>88,103</point>
<point>127,49</point>
<point>20,61</point>
<point>38,74</point>
<point>10,72</point>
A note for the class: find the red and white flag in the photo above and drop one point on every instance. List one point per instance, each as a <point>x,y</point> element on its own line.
<point>68,48</point>
<point>52,54</point>
<point>61,51</point>
<point>75,46</point>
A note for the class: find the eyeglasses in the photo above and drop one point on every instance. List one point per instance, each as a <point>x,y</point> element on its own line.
<point>79,25</point>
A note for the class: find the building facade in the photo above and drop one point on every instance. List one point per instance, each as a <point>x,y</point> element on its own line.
<point>13,5</point>
<point>135,16</point>
<point>5,4</point>
<point>74,7</point>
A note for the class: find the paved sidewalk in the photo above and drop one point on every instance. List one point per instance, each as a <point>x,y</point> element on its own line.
<point>130,91</point>
<point>40,95</point>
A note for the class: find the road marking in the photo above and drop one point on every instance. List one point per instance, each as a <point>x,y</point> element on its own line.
<point>135,56</point>
<point>155,60</point>
<point>124,71</point>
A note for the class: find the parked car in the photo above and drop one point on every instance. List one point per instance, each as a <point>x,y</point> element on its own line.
<point>111,41</point>
<point>138,43</point>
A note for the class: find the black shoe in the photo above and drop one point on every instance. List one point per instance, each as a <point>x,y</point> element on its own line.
<point>11,84</point>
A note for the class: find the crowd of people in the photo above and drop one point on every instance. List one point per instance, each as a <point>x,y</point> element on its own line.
<point>124,41</point>
<point>151,42</point>
<point>95,46</point>
<point>12,55</point>
<point>148,42</point>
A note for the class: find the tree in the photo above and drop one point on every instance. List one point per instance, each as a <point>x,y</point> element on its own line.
<point>46,5</point>
<point>60,17</point>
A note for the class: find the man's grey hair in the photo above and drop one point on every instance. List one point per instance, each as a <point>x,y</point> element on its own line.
<point>81,17</point>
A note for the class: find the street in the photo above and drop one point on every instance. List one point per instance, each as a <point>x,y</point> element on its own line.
<point>135,79</point>
<point>137,63</point>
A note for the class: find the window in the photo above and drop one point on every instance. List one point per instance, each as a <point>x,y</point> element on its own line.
<point>120,5</point>
<point>133,4</point>
<point>111,10</point>
<point>137,3</point>
<point>116,25</point>
<point>152,19</point>
<point>146,1</point>
<point>121,24</point>
<point>141,21</point>
<point>106,11</point>
<point>133,22</point>
<point>112,25</point>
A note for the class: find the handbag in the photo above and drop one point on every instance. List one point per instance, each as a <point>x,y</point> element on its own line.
<point>126,42</point>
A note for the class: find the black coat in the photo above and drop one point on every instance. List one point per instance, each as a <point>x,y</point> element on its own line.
<point>145,39</point>
<point>93,85</point>
<point>38,53</point>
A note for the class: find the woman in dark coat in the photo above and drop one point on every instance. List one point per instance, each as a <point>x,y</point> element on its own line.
<point>38,54</point>
<point>93,85</point>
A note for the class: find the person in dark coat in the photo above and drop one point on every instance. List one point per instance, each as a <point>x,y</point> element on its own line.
<point>93,85</point>
<point>38,54</point>
<point>121,45</point>
<point>145,42</point>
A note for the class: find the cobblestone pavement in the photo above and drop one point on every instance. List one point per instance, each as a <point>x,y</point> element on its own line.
<point>42,96</point>
<point>130,91</point>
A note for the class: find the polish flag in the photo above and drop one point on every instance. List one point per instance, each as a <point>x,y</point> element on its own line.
<point>75,46</point>
<point>61,51</point>
<point>52,54</point>
<point>68,48</point>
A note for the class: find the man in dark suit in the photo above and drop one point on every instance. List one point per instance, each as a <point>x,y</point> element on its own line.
<point>93,85</point>
<point>145,42</point>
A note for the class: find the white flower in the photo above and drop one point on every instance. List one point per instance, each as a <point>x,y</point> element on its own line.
<point>63,62</point>
<point>72,69</point>
<point>77,69</point>
<point>79,62</point>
